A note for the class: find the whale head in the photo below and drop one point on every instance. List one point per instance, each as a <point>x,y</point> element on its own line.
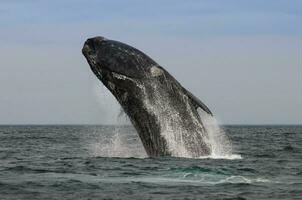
<point>154,100</point>
<point>108,57</point>
<point>119,66</point>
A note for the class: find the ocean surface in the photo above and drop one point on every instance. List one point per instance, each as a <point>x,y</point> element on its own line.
<point>108,162</point>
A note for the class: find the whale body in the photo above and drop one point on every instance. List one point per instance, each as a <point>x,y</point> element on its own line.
<point>164,114</point>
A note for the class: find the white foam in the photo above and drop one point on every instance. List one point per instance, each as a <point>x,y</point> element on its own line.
<point>242,179</point>
<point>172,180</point>
<point>222,157</point>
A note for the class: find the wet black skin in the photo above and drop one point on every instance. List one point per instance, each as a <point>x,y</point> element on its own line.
<point>121,67</point>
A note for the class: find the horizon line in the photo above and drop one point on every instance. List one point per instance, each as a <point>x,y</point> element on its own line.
<point>78,124</point>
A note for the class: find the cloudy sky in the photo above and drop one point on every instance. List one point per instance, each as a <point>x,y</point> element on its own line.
<point>242,58</point>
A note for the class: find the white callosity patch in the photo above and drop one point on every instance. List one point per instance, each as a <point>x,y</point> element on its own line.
<point>155,71</point>
<point>119,76</point>
<point>122,77</point>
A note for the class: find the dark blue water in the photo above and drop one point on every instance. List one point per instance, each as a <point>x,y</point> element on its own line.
<point>75,162</point>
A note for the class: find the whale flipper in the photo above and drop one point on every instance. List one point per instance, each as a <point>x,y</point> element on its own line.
<point>197,102</point>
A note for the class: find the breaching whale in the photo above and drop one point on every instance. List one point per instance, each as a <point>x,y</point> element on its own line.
<point>164,113</point>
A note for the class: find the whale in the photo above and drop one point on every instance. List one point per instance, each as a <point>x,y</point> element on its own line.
<point>165,115</point>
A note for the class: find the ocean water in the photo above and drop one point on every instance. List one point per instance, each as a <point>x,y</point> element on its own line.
<point>108,162</point>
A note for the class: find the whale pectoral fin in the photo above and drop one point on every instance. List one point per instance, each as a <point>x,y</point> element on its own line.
<point>197,102</point>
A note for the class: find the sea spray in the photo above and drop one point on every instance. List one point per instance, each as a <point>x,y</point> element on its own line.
<point>177,136</point>
<point>169,119</point>
<point>120,143</point>
<point>217,138</point>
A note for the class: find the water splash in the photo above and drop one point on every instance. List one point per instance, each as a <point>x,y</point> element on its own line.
<point>221,146</point>
<point>222,157</point>
<point>118,144</point>
<point>181,140</point>
<point>159,105</point>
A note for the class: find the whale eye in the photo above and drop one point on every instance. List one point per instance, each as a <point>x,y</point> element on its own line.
<point>156,71</point>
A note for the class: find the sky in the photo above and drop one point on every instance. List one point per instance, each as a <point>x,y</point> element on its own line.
<point>241,58</point>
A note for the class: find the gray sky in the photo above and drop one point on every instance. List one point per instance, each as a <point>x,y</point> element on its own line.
<point>241,58</point>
